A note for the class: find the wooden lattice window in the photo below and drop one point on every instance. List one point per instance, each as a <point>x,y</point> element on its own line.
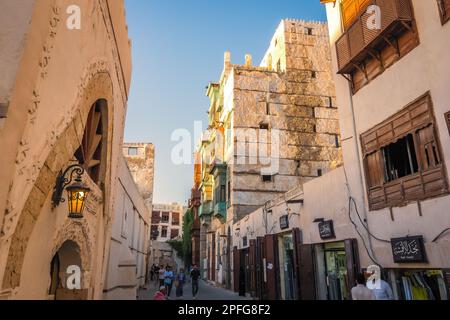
<point>164,232</point>
<point>165,217</point>
<point>90,152</point>
<point>351,9</point>
<point>402,158</point>
<point>447,120</point>
<point>444,10</point>
<point>156,217</point>
<point>174,233</point>
<point>175,218</point>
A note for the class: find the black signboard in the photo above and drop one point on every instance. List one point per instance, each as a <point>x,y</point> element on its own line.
<point>326,230</point>
<point>408,249</point>
<point>284,222</point>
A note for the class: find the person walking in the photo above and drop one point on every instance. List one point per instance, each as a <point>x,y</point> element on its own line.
<point>360,291</point>
<point>179,283</point>
<point>168,279</point>
<point>195,276</point>
<point>152,272</point>
<point>382,290</point>
<point>161,277</point>
<point>156,273</point>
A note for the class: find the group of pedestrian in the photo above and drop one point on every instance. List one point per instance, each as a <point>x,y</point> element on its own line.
<point>371,289</point>
<point>166,278</point>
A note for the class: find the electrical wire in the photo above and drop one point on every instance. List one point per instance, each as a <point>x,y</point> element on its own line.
<point>364,224</point>
<point>440,235</point>
<point>360,235</point>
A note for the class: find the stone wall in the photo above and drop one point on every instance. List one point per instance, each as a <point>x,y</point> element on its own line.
<point>296,100</point>
<point>141,166</point>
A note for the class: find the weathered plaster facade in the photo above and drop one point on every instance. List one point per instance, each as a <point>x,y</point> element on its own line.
<point>41,129</point>
<point>130,239</point>
<point>140,159</point>
<point>425,69</point>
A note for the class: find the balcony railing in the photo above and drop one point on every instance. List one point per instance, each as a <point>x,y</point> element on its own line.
<point>361,37</point>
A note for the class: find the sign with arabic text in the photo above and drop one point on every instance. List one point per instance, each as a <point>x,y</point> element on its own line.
<point>408,249</point>
<point>284,222</point>
<point>326,230</point>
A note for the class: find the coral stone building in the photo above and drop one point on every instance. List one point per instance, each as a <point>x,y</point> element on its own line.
<point>167,222</point>
<point>140,159</point>
<point>385,207</point>
<point>271,128</point>
<point>63,98</point>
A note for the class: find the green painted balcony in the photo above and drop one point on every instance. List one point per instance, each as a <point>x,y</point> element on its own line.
<point>206,209</point>
<point>220,210</point>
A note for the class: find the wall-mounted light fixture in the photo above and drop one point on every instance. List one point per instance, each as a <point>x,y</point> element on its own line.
<point>77,192</point>
<point>318,220</point>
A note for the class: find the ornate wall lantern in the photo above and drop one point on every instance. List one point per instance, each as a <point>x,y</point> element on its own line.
<point>77,192</point>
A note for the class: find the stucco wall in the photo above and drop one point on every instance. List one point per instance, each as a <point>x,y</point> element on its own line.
<point>128,256</point>
<point>15,18</point>
<point>61,74</point>
<point>425,68</point>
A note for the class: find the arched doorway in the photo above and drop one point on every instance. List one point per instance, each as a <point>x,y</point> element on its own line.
<point>65,272</point>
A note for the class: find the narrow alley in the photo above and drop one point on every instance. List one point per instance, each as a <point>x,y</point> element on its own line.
<point>207,291</point>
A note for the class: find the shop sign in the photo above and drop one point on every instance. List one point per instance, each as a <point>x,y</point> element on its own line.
<point>408,249</point>
<point>326,230</point>
<point>284,222</point>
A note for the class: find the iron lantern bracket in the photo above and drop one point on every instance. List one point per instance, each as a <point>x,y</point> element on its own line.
<point>62,181</point>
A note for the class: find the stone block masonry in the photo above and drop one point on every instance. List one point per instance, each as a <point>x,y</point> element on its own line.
<point>292,92</point>
<point>140,159</point>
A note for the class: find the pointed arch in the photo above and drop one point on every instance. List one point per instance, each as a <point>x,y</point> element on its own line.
<point>96,87</point>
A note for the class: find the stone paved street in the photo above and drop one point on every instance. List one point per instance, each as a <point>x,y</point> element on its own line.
<point>206,292</point>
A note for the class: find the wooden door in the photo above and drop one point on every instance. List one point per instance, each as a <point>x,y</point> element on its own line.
<point>272,268</point>
<point>306,272</point>
<point>213,258</point>
<point>297,243</point>
<point>351,254</point>
<point>252,263</point>
<point>236,267</point>
<point>260,258</point>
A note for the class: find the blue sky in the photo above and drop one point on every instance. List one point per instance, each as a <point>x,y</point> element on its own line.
<point>178,48</point>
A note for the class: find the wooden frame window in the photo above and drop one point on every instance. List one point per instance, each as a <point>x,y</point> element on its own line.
<point>447,120</point>
<point>164,232</point>
<point>92,149</point>
<point>156,217</point>
<point>133,151</point>
<point>165,217</point>
<point>154,232</point>
<point>403,159</point>
<point>444,10</point>
<point>175,218</point>
<point>363,53</point>
<point>174,233</point>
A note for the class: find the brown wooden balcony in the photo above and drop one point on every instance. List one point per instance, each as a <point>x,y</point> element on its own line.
<point>359,41</point>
